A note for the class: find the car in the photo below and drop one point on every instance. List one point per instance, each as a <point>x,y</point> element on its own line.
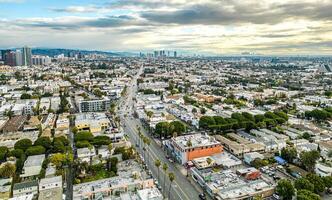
<point>202,196</point>
<point>170,160</point>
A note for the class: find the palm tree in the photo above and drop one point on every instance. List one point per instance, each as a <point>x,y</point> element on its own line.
<point>157,163</point>
<point>165,168</point>
<point>148,142</point>
<point>171,177</point>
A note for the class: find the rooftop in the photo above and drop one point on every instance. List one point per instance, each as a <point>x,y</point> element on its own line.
<point>195,140</point>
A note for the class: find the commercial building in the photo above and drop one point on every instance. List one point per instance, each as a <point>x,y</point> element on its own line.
<point>95,105</point>
<point>93,122</point>
<point>189,147</point>
<point>26,56</point>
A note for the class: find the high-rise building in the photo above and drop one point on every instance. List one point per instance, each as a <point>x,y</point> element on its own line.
<point>41,60</point>
<point>9,57</point>
<point>26,56</point>
<point>19,58</point>
<point>175,54</point>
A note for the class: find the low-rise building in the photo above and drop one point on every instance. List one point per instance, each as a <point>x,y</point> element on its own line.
<point>93,122</point>
<point>25,188</point>
<point>50,188</point>
<point>189,147</point>
<point>32,166</point>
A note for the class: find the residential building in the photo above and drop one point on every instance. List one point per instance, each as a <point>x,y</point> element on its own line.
<point>32,166</point>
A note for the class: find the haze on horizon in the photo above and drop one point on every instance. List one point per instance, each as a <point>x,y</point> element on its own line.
<point>288,27</point>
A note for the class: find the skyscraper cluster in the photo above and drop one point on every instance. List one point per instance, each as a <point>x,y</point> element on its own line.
<point>18,57</point>
<point>22,57</point>
<point>160,54</point>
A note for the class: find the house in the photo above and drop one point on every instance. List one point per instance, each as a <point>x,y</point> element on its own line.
<point>50,188</point>
<point>249,157</point>
<point>25,188</point>
<point>323,170</point>
<point>86,154</point>
<point>5,188</point>
<point>32,166</point>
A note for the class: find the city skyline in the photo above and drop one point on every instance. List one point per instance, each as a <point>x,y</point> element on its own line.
<point>203,27</point>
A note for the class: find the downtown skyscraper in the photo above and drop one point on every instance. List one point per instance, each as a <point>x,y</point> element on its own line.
<point>26,56</point>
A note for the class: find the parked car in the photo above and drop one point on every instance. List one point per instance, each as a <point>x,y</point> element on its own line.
<point>202,196</point>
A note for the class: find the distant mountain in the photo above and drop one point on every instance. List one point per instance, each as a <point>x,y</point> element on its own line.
<point>55,52</point>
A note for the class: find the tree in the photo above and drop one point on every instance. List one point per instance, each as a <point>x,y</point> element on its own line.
<point>17,153</point>
<point>83,144</point>
<point>203,110</point>
<point>289,153</point>
<point>83,135</point>
<point>7,170</point>
<point>35,150</point>
<point>9,114</point>
<point>309,159</point>
<point>157,163</point>
<point>26,96</point>
<point>59,159</point>
<point>303,184</point>
<point>327,181</point>
<point>101,140</point>
<point>149,114</point>
<point>23,144</point>
<point>307,195</point>
<point>194,110</point>
<point>178,127</point>
<point>285,189</point>
<point>3,153</point>
<point>162,129</point>
<point>317,181</point>
<point>44,141</point>
<point>171,177</point>
<point>206,121</point>
<point>165,168</point>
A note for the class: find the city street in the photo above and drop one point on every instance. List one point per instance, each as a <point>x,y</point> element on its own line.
<point>182,188</point>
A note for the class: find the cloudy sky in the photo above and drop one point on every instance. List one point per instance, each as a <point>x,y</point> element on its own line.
<point>202,26</point>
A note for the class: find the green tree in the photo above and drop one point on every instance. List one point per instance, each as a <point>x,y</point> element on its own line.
<point>157,163</point>
<point>44,141</point>
<point>171,177</point>
<point>26,96</point>
<point>327,181</point>
<point>309,159</point>
<point>165,168</point>
<point>285,189</point>
<point>303,184</point>
<point>35,150</point>
<point>83,135</point>
<point>83,144</point>
<point>101,140</point>
<point>178,127</point>
<point>307,195</point>
<point>23,144</point>
<point>17,153</point>
<point>7,170</point>
<point>289,153</point>
<point>3,153</point>
<point>206,121</point>
<point>317,181</point>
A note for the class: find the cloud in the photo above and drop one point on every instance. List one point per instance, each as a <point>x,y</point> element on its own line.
<point>77,9</point>
<point>241,12</point>
<point>74,23</point>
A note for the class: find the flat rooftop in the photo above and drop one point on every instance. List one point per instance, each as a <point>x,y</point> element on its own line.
<point>195,140</point>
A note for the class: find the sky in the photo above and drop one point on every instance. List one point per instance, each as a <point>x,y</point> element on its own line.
<point>216,27</point>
